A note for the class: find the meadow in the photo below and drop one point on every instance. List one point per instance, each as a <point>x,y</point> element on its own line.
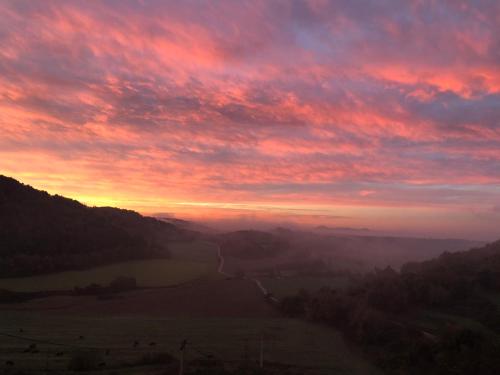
<point>311,348</point>
<point>189,261</point>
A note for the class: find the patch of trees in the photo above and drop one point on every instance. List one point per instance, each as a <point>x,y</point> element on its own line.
<point>118,285</point>
<point>41,233</point>
<point>381,313</point>
<point>251,244</point>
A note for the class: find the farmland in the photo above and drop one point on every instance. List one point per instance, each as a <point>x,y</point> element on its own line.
<point>189,261</point>
<point>224,318</point>
<point>148,273</point>
<point>207,297</point>
<point>320,350</point>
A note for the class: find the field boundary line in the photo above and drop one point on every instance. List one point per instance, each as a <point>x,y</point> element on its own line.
<point>39,341</point>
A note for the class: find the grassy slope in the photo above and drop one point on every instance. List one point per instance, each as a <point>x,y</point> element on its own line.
<point>189,261</point>
<point>287,341</point>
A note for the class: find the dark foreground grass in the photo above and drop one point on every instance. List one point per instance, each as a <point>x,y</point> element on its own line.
<point>314,349</point>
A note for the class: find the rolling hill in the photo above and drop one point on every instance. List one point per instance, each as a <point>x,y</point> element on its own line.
<point>43,233</point>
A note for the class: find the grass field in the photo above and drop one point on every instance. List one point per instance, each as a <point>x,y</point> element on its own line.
<point>152,272</point>
<point>288,286</point>
<point>286,341</point>
<point>205,297</point>
<point>189,261</point>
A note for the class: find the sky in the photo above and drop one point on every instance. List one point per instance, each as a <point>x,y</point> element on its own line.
<point>376,114</point>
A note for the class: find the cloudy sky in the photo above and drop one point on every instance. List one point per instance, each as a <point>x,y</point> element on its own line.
<point>382,114</point>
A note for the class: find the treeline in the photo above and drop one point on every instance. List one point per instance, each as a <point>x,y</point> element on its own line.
<point>118,285</point>
<point>382,311</point>
<point>41,233</point>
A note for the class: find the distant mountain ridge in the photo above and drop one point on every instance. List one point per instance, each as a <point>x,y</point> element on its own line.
<point>41,233</point>
<point>341,229</point>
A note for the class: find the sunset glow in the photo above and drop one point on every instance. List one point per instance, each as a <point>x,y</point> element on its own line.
<point>383,116</point>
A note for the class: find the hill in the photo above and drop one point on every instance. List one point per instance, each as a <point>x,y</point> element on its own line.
<point>43,233</point>
<point>252,244</point>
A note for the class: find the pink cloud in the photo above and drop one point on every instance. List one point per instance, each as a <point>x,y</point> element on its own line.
<point>322,102</point>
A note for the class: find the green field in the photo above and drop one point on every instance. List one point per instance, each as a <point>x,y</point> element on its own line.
<point>287,286</point>
<point>189,261</point>
<point>151,272</point>
<point>288,341</point>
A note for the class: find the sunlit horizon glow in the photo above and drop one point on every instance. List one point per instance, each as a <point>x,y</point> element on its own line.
<point>381,115</point>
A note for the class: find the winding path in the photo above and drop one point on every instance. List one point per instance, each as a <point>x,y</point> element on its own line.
<point>257,282</point>
<point>221,262</point>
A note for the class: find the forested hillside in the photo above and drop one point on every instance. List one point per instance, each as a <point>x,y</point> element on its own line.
<point>41,233</point>
<point>438,317</point>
